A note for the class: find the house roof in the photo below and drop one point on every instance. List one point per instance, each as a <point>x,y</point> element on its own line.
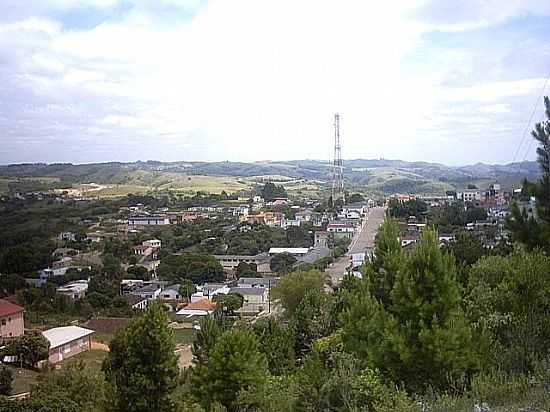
<point>65,334</point>
<point>203,304</point>
<point>248,291</point>
<point>291,250</point>
<point>258,281</point>
<point>7,308</point>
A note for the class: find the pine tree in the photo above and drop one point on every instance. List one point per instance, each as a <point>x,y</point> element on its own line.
<point>420,337</point>
<point>142,365</point>
<point>534,231</point>
<point>235,364</point>
<point>386,261</point>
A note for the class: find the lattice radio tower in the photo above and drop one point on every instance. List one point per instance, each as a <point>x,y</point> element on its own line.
<point>338,166</point>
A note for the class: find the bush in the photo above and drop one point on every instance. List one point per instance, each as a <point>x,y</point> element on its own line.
<point>6,379</point>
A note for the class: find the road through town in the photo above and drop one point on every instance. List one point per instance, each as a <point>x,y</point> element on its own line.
<point>363,240</point>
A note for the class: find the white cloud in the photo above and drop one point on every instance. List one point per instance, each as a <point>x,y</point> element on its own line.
<point>243,80</point>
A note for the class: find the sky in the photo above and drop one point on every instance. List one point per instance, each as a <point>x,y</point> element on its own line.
<point>86,81</point>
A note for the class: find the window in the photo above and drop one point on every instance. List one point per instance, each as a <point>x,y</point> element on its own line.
<point>3,322</point>
<point>67,348</point>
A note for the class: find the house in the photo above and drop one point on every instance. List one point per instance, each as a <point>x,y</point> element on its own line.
<point>74,290</point>
<point>470,195</point>
<point>341,230</point>
<point>136,302</point>
<point>304,216</point>
<point>446,238</point>
<point>67,236</point>
<point>142,250</point>
<point>286,223</point>
<point>265,283</point>
<point>202,307</point>
<point>209,290</point>
<point>255,299</point>
<point>357,259</point>
<point>230,262</point>
<point>152,243</point>
<point>12,323</point>
<point>149,220</point>
<point>149,291</point>
<point>321,238</point>
<point>294,251</point>
<point>408,239</point>
<point>67,341</point>
<point>171,292</point>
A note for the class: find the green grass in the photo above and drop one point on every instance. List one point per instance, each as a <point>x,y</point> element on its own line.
<point>93,359</point>
<point>23,380</point>
<point>184,336</point>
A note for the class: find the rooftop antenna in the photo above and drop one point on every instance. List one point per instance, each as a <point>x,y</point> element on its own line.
<point>338,165</point>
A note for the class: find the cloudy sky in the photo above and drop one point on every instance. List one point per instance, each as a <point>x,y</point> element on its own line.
<point>100,80</point>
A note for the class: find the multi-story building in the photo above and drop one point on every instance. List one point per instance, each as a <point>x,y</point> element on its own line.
<point>12,323</point>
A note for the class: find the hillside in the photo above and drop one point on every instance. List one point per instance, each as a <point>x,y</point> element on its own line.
<point>375,177</point>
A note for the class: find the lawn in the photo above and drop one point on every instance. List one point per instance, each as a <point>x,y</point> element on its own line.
<point>184,336</point>
<point>93,359</point>
<point>23,379</point>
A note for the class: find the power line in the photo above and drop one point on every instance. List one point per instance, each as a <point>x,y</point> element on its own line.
<point>527,126</point>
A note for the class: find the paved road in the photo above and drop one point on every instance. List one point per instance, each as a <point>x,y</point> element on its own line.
<point>362,240</point>
<point>365,238</point>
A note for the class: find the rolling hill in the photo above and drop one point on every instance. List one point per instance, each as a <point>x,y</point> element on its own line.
<point>377,177</point>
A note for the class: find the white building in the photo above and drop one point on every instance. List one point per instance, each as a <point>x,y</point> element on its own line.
<point>153,243</point>
<point>74,290</point>
<point>294,251</point>
<point>150,220</point>
<point>171,292</point>
<point>469,195</point>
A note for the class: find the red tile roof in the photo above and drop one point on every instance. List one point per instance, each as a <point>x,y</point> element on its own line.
<point>8,308</point>
<point>203,304</point>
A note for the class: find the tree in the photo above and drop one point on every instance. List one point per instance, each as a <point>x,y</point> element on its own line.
<point>291,289</point>
<point>312,319</point>
<point>534,231</point>
<point>277,344</point>
<point>508,299</point>
<point>138,272</point>
<point>187,288</point>
<point>197,267</point>
<point>31,348</point>
<point>282,263</point>
<point>467,250</point>
<point>235,363</point>
<point>356,198</point>
<point>246,270</point>
<point>47,403</point>
<point>111,266</point>
<point>141,365</point>
<point>6,379</point>
<point>420,337</point>
<point>11,283</point>
<point>474,214</point>
<point>75,381</point>
<point>386,261</point>
<point>230,302</point>
<point>271,190</point>
<point>205,340</point>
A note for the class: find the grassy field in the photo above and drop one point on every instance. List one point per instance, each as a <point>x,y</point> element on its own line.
<point>184,336</point>
<point>23,379</point>
<point>27,183</point>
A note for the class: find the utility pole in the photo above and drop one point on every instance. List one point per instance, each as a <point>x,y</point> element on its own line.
<point>338,165</point>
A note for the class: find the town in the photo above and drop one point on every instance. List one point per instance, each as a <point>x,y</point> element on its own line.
<point>274,206</point>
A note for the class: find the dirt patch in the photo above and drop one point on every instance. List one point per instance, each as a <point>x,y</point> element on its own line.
<point>107,325</point>
<point>100,346</point>
<point>185,356</point>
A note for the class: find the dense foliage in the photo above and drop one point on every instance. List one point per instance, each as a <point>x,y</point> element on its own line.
<point>199,268</point>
